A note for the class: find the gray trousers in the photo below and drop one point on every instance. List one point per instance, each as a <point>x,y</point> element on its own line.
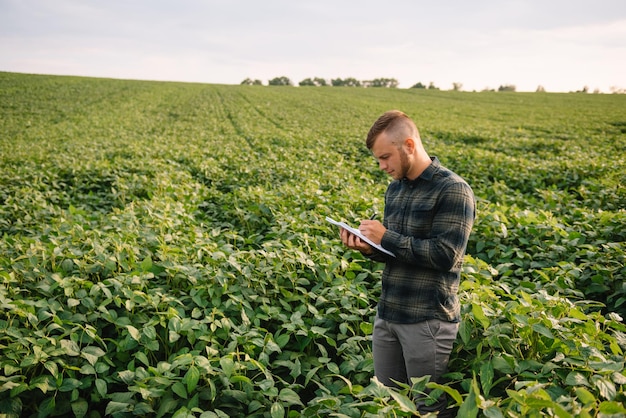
<point>402,351</point>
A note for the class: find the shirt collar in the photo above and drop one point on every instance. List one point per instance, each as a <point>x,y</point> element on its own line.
<point>428,173</point>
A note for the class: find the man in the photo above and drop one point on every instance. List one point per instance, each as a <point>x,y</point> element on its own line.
<point>429,214</point>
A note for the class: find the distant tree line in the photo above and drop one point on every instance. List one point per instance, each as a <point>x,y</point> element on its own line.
<point>322,82</point>
<point>391,83</point>
<point>353,82</point>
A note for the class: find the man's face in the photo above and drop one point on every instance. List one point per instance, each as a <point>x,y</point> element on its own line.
<point>391,158</point>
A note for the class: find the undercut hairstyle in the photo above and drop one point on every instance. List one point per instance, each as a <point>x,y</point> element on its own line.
<point>394,123</point>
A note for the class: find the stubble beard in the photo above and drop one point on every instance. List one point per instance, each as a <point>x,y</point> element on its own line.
<point>405,165</point>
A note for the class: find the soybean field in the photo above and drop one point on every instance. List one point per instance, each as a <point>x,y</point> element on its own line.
<point>164,250</point>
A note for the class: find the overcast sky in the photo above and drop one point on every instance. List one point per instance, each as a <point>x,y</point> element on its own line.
<point>562,45</point>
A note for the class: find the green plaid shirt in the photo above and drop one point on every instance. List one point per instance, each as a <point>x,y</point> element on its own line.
<point>428,223</point>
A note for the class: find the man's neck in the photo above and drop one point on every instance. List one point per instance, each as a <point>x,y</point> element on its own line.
<point>421,163</point>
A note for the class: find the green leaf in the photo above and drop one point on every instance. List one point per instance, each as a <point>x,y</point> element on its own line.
<point>191,378</point>
<point>142,409</point>
<point>469,408</point>
<point>216,413</point>
<point>310,374</point>
<point>149,332</point>
<point>117,407</point>
<point>92,354</point>
<point>168,404</point>
<point>240,379</point>
<point>272,347</point>
<point>69,384</point>
<point>289,397</point>
<point>618,378</point>
<point>479,315</point>
<point>486,377</point>
<point>47,406</point>
<point>277,410</point>
<point>296,369</point>
<point>87,369</point>
<point>183,412</point>
<point>281,340</point>
<point>612,408</point>
<point>606,387</point>
<point>453,393</point>
<point>607,365</point>
<point>141,356</point>
<point>173,336</point>
<point>543,330</point>
<point>52,367</point>
<point>333,368</point>
<point>133,332</point>
<point>146,264</point>
<point>254,406</point>
<point>228,366</point>
<point>493,412</point>
<point>16,388</point>
<point>127,376</point>
<point>70,347</point>
<point>11,407</point>
<point>586,397</point>
<point>179,389</point>
<point>500,364</point>
<point>465,331</point>
<point>80,408</point>
<point>366,327</point>
<point>10,369</point>
<point>42,383</point>
<point>101,387</point>
<point>406,404</point>
<point>576,379</point>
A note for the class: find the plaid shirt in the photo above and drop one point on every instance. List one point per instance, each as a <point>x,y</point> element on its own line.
<point>428,223</point>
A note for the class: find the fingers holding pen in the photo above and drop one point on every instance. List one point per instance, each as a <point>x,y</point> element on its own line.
<point>373,230</point>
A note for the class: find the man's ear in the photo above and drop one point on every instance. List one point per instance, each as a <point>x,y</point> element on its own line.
<point>409,143</point>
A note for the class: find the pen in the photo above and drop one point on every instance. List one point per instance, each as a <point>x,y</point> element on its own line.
<point>373,216</point>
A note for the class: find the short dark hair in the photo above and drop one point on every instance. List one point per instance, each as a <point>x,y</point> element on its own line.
<point>392,120</point>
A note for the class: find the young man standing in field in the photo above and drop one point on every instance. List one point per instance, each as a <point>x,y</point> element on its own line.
<point>429,214</point>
